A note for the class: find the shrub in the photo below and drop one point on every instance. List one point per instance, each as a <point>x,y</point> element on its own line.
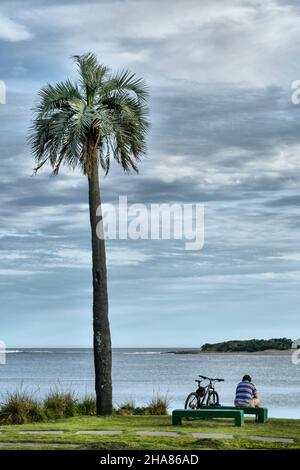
<point>126,408</point>
<point>60,405</point>
<point>140,410</point>
<point>20,408</point>
<point>158,406</point>
<point>87,406</point>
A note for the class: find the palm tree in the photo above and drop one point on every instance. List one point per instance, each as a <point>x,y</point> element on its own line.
<point>85,125</point>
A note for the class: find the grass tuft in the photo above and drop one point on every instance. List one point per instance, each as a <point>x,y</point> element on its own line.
<point>87,406</point>
<point>60,405</point>
<point>126,408</point>
<point>21,408</point>
<point>158,406</point>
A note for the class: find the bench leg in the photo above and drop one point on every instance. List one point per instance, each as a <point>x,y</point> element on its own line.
<point>176,420</point>
<point>262,414</point>
<point>239,420</point>
<point>266,415</point>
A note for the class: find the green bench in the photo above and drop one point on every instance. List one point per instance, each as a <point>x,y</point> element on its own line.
<point>208,412</point>
<point>261,413</point>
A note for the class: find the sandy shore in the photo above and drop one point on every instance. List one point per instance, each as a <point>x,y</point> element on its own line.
<point>268,352</point>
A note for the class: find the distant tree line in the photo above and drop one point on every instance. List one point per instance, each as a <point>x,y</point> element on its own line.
<point>250,345</point>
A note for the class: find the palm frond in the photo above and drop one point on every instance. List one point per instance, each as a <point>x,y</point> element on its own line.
<point>54,96</point>
<point>126,81</point>
<point>91,74</point>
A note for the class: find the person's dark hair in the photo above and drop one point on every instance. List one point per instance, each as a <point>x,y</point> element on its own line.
<point>247,377</point>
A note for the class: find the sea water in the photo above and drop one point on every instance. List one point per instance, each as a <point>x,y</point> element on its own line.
<point>141,374</point>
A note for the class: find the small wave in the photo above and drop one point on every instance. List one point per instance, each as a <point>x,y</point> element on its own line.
<point>35,351</point>
<point>142,353</point>
<point>17,351</point>
<point>11,351</point>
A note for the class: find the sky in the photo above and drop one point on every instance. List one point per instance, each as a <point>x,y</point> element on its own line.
<point>224,132</point>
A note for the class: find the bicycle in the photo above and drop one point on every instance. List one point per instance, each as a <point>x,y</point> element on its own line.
<point>206,395</point>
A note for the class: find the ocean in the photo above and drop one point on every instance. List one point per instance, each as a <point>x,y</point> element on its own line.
<point>140,374</point>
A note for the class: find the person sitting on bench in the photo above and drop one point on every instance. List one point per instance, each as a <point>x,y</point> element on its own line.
<point>246,394</point>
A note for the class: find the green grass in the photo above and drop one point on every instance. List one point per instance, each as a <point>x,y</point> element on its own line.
<point>157,406</point>
<point>130,424</point>
<point>22,408</point>
<point>60,405</point>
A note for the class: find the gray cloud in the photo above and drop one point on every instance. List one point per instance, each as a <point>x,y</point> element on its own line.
<point>224,132</point>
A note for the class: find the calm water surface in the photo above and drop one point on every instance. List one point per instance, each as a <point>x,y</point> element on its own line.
<point>138,374</point>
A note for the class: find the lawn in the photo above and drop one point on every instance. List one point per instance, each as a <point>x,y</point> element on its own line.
<point>280,428</point>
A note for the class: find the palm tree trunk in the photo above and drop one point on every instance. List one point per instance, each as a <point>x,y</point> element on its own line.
<point>102,339</point>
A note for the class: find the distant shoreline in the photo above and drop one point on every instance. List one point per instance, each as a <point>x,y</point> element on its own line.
<point>267,352</point>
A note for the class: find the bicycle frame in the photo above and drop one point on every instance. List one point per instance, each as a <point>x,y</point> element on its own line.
<point>208,388</point>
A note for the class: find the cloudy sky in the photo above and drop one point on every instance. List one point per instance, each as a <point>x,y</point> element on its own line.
<point>223,132</point>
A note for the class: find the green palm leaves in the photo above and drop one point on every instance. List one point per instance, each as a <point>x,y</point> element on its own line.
<point>103,116</point>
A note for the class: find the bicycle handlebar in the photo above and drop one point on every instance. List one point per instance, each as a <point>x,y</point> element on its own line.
<point>209,378</point>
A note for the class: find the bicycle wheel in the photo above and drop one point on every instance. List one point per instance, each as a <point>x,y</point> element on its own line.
<point>212,399</point>
<point>191,403</point>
